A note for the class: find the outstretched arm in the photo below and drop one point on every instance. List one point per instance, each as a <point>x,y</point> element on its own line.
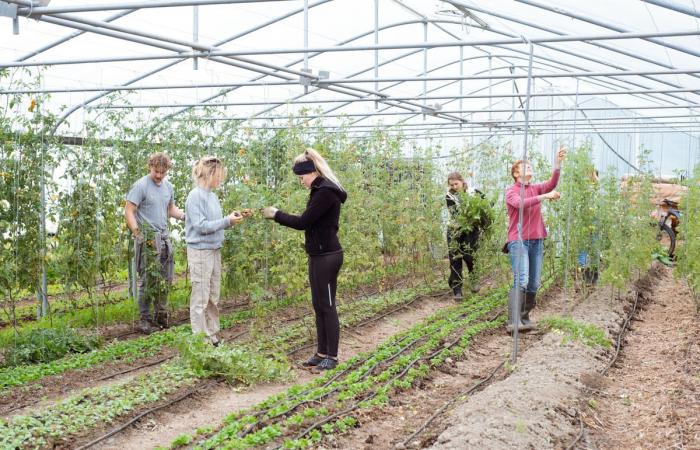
<point>319,204</point>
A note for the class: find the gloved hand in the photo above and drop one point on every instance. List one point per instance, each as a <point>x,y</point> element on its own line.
<point>269,212</point>
<point>138,237</point>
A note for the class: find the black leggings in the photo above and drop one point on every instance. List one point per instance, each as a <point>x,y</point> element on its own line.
<point>460,249</point>
<point>323,279</point>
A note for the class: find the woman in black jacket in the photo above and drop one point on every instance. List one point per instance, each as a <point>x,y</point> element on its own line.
<point>320,224</point>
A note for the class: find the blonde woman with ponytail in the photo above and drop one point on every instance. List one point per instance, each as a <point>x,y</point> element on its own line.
<point>204,234</point>
<point>320,224</point>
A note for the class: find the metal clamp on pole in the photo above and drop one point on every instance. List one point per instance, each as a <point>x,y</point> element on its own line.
<point>10,10</point>
<point>306,80</point>
<point>322,75</point>
<point>430,109</point>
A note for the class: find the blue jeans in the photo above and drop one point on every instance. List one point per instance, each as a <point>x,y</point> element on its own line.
<point>526,262</point>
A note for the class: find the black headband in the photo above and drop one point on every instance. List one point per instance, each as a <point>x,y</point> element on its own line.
<point>304,167</point>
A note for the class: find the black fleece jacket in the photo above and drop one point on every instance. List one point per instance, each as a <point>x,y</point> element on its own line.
<point>320,219</point>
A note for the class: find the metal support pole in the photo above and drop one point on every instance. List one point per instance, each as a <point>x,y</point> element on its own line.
<point>461,82</point>
<point>43,288</point>
<point>195,33</point>
<point>521,210</point>
<point>425,64</point>
<point>306,41</point>
<point>490,87</point>
<point>570,180</point>
<point>376,52</point>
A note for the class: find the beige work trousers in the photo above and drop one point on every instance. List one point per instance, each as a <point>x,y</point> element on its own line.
<point>205,273</point>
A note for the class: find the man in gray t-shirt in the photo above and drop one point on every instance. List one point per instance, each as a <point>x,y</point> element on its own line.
<point>149,205</point>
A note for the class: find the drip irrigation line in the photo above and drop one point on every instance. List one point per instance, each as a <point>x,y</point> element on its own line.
<point>605,370</point>
<point>449,403</point>
<point>373,319</point>
<point>580,433</point>
<point>250,429</point>
<point>373,394</point>
<point>625,325</point>
<point>182,397</point>
<point>16,407</point>
<point>145,413</point>
<point>134,369</point>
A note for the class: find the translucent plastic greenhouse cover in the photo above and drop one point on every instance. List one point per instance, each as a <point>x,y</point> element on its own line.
<point>625,74</point>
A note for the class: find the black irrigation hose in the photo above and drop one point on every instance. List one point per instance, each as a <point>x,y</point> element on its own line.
<point>449,403</point>
<point>134,369</point>
<point>129,423</point>
<point>251,427</point>
<point>621,334</point>
<point>604,372</point>
<point>580,433</point>
<point>145,413</point>
<point>224,309</point>
<point>373,319</point>
<point>373,394</point>
<point>15,408</point>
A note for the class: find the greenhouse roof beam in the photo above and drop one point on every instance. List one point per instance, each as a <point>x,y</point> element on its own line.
<point>202,55</point>
<point>380,94</point>
<point>320,50</point>
<point>29,11</point>
<point>469,134</point>
<point>153,40</point>
<point>294,101</point>
<point>65,39</point>
<point>162,42</point>
<point>159,69</point>
<point>692,126</point>
<point>495,123</point>
<point>367,99</point>
<point>567,51</point>
<point>206,49</point>
<point>675,7</point>
<point>517,76</point>
<point>608,25</point>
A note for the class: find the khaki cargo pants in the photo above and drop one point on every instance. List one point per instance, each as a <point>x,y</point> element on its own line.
<point>205,273</point>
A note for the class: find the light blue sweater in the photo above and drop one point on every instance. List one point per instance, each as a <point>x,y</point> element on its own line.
<point>204,222</point>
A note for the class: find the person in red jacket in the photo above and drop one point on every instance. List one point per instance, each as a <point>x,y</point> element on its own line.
<point>320,224</point>
<point>526,245</point>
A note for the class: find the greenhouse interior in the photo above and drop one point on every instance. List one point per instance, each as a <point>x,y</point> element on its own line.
<point>353,224</point>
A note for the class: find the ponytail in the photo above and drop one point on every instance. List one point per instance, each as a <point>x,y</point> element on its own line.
<point>322,166</point>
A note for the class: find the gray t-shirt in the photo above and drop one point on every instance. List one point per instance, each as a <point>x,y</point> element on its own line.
<point>204,223</point>
<point>152,202</point>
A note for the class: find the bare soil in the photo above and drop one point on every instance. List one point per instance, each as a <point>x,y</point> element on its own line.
<point>651,398</point>
<point>557,395</point>
<point>51,389</point>
<point>408,411</point>
<point>210,407</point>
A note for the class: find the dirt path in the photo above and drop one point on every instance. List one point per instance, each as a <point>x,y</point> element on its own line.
<point>651,398</point>
<point>530,408</point>
<point>211,407</point>
<point>388,427</point>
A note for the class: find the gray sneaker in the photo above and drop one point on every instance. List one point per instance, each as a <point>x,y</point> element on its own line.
<point>146,327</point>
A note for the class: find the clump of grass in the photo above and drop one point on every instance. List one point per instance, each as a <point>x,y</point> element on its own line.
<point>587,333</point>
<point>46,345</point>
<point>235,363</point>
